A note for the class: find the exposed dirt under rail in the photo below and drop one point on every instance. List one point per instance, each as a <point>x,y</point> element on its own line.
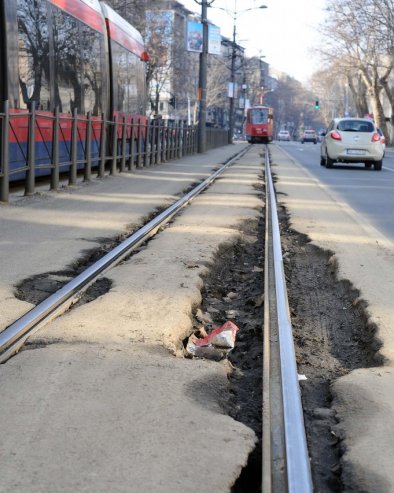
<point>331,336</point>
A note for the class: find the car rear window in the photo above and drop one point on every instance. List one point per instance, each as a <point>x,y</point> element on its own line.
<point>355,126</point>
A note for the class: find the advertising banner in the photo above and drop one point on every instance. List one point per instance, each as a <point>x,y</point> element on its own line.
<point>195,38</point>
<point>214,40</point>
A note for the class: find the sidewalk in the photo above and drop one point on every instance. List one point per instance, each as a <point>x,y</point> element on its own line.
<point>98,402</point>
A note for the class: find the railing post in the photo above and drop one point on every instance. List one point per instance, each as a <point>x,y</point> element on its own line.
<point>164,142</point>
<point>88,149</point>
<point>31,152</point>
<point>74,149</point>
<point>180,139</point>
<point>103,145</point>
<point>4,179</point>
<point>148,147</point>
<point>124,141</point>
<point>114,146</point>
<point>153,157</point>
<point>139,157</point>
<point>158,140</point>
<point>131,163</point>
<point>55,151</point>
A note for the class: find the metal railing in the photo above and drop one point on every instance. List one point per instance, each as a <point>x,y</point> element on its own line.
<point>38,143</point>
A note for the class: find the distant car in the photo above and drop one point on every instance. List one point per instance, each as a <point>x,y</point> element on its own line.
<point>382,140</point>
<point>309,136</point>
<point>284,135</point>
<point>352,140</point>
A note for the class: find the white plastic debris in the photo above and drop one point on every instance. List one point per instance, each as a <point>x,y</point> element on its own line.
<point>216,345</point>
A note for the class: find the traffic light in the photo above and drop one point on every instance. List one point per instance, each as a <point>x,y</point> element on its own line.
<point>317,105</point>
<point>172,101</point>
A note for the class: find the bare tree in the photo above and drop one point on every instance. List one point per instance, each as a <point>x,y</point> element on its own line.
<point>354,31</point>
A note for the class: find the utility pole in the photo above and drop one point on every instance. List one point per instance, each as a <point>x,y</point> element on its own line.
<point>202,80</point>
<point>232,83</point>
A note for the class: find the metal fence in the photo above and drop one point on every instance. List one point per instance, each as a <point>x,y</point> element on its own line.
<point>41,143</point>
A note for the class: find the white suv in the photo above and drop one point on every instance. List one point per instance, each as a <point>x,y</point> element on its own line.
<point>352,140</point>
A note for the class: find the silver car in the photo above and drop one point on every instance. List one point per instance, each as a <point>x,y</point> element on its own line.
<point>352,140</point>
<point>284,135</point>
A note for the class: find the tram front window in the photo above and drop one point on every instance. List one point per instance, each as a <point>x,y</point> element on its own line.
<point>259,116</point>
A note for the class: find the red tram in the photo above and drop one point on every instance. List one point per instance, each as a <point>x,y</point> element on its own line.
<point>259,126</point>
<point>76,56</point>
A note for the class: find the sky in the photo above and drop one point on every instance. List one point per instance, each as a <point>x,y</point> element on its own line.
<point>284,33</point>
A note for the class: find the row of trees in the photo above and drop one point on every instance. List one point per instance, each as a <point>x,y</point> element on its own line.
<point>358,53</point>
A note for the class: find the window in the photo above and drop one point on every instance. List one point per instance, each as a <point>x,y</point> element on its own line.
<point>259,116</point>
<point>78,55</point>
<point>92,59</point>
<point>33,48</point>
<point>355,126</point>
<point>128,80</point>
<point>68,63</point>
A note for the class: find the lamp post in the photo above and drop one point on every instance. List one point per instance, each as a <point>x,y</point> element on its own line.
<point>202,78</point>
<point>235,14</point>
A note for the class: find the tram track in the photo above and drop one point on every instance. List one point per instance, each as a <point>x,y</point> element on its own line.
<point>14,336</point>
<point>284,467</point>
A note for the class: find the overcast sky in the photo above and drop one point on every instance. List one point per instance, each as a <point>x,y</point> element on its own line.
<point>284,32</point>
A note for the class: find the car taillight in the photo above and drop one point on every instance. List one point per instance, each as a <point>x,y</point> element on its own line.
<point>336,135</point>
<point>375,137</point>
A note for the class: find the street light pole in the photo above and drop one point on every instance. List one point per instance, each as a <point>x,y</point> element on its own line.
<point>232,83</point>
<point>202,77</point>
<point>202,80</point>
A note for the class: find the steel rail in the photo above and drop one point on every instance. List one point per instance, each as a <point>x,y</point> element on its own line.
<point>296,467</point>
<point>14,336</point>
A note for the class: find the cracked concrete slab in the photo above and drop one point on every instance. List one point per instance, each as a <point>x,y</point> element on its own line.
<point>98,402</point>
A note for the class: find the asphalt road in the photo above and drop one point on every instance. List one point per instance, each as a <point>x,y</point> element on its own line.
<point>370,193</point>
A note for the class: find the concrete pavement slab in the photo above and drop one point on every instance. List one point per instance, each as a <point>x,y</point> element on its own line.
<point>97,401</point>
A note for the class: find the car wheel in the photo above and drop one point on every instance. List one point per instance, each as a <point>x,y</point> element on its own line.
<point>377,165</point>
<point>329,162</point>
<point>322,161</point>
<point>315,141</point>
<point>302,141</point>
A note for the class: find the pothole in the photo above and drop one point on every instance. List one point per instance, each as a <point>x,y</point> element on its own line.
<point>36,289</point>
